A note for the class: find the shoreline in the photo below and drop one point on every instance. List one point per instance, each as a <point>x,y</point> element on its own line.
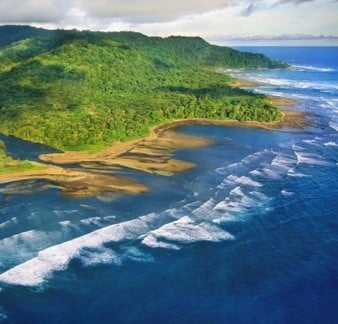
<point>151,154</point>
<point>291,119</point>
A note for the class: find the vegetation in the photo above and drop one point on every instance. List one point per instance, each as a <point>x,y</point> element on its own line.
<point>84,90</point>
<point>8,165</point>
<point>13,33</point>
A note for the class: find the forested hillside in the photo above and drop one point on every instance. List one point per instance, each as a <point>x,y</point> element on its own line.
<point>13,33</point>
<point>85,90</point>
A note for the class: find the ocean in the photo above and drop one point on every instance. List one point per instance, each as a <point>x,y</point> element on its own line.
<point>248,236</point>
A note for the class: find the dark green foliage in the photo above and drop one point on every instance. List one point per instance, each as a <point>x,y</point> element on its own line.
<point>11,33</point>
<point>84,90</point>
<point>193,51</point>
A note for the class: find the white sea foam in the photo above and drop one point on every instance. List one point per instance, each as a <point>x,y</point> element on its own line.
<point>92,221</point>
<point>300,96</point>
<point>289,83</point>
<point>259,195</point>
<point>18,241</point>
<point>222,170</point>
<point>152,241</point>
<point>287,193</point>
<point>250,160</point>
<point>313,141</point>
<point>135,254</point>
<point>55,258</point>
<point>99,256</point>
<point>33,272</point>
<point>9,223</point>
<point>229,206</point>
<point>244,180</point>
<point>97,221</point>
<point>65,223</point>
<point>331,143</point>
<point>185,231</point>
<point>278,167</point>
<point>237,191</point>
<point>256,156</point>
<point>333,125</point>
<point>282,160</point>
<point>237,202</point>
<point>297,147</point>
<point>258,173</point>
<point>271,173</point>
<point>224,218</point>
<point>254,160</point>
<point>293,173</point>
<point>62,213</point>
<point>312,68</point>
<point>103,255</point>
<point>23,246</point>
<point>204,210</point>
<point>311,158</point>
<point>245,201</point>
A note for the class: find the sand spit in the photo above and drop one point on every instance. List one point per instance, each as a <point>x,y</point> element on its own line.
<point>151,154</point>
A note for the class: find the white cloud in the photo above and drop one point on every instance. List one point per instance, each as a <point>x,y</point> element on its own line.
<point>135,11</point>
<point>150,10</point>
<point>207,18</point>
<point>314,17</point>
<point>33,11</point>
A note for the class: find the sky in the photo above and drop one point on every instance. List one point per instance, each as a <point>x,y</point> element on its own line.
<point>224,22</point>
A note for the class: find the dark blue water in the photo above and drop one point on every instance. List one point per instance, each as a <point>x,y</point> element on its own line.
<point>249,236</point>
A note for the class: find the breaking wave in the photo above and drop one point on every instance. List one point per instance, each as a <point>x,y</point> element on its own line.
<point>240,192</point>
<point>34,271</point>
<point>89,248</point>
<point>185,231</point>
<point>312,68</point>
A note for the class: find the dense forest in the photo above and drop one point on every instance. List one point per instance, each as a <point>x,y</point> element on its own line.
<point>84,90</point>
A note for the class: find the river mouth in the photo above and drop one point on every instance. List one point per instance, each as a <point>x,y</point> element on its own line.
<point>93,174</point>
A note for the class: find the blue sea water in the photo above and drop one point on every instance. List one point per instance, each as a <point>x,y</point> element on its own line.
<point>248,236</point>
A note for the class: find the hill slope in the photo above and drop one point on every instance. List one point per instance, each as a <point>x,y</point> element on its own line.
<point>82,90</point>
<point>14,33</point>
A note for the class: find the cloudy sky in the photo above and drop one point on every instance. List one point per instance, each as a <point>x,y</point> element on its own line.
<point>227,22</point>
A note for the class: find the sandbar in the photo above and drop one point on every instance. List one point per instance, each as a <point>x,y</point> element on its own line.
<point>76,182</point>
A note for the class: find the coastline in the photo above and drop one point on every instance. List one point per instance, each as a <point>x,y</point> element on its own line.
<point>291,119</point>
<point>151,154</point>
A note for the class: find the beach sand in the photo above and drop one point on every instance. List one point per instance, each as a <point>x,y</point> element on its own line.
<point>75,182</point>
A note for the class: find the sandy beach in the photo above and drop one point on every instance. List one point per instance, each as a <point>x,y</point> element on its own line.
<point>152,154</point>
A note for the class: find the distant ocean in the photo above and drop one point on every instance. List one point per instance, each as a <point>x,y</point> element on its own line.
<point>248,236</point>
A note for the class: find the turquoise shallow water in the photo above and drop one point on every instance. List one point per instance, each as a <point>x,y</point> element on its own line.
<point>249,235</point>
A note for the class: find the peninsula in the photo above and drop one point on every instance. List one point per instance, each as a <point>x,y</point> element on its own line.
<point>97,96</point>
